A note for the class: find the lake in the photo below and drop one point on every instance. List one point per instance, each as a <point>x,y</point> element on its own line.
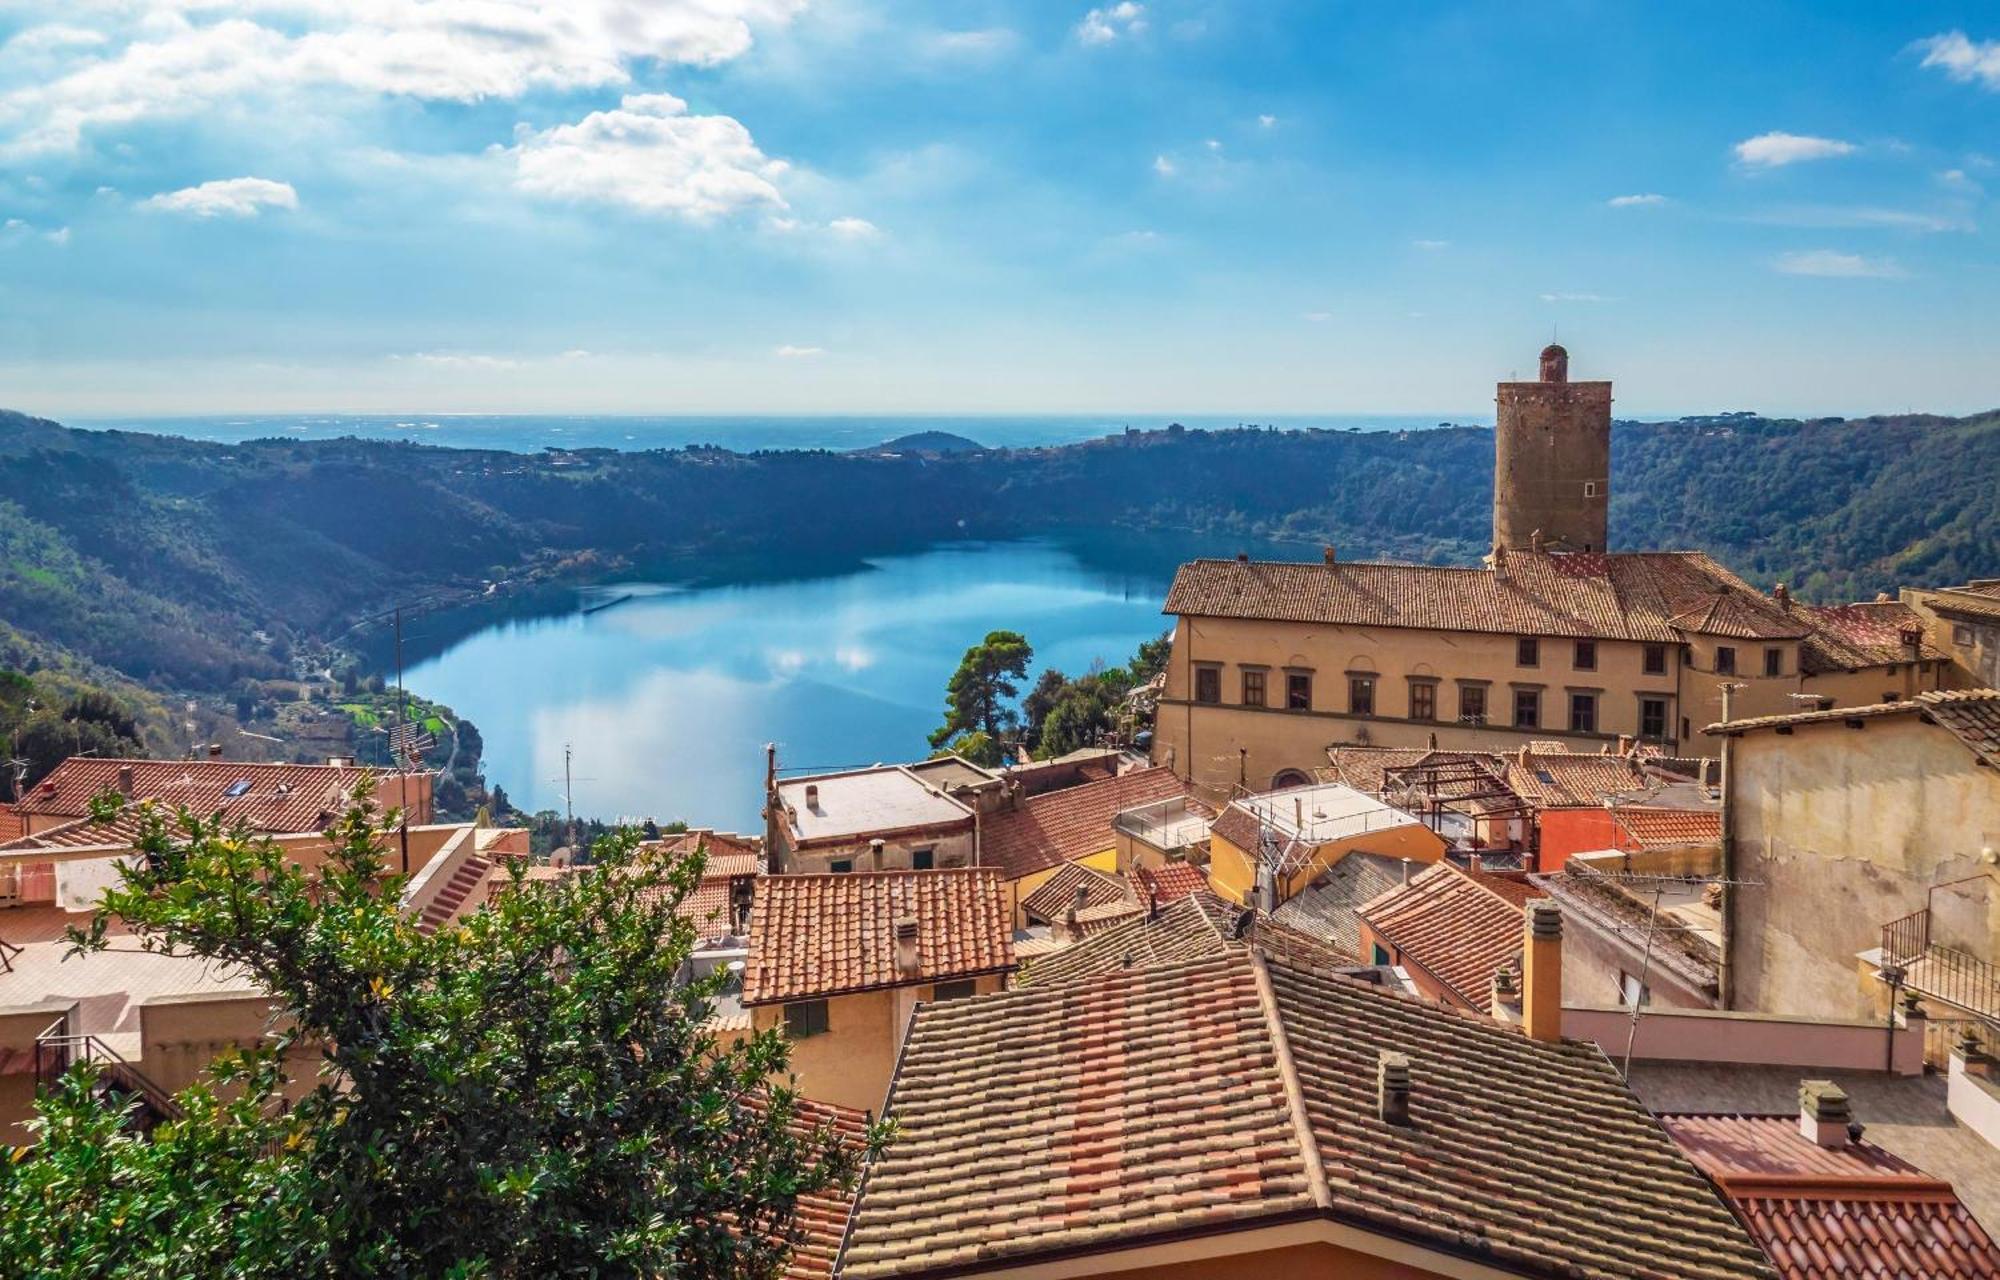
<point>668,696</point>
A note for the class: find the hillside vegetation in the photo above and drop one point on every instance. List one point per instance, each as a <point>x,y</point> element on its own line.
<point>192,565</point>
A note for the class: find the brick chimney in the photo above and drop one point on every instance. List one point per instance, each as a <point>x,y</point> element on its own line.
<point>1504,1002</point>
<point>1823,1112</point>
<point>1392,1088</point>
<point>1542,974</point>
<point>908,966</point>
<point>1068,928</point>
<point>125,783</point>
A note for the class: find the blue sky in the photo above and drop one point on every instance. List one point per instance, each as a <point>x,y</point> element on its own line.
<point>947,206</point>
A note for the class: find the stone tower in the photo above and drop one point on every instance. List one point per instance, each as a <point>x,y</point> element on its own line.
<point>1552,460</point>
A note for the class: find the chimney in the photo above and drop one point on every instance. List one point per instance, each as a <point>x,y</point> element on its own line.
<point>1069,930</point>
<point>1535,540</point>
<point>907,964</point>
<point>1783,595</point>
<point>215,751</point>
<point>812,796</point>
<point>1243,557</point>
<point>875,848</point>
<point>1542,974</point>
<point>1406,871</point>
<point>1392,1088</point>
<point>1523,757</point>
<point>125,781</point>
<point>1329,555</point>
<point>1504,1001</point>
<point>1823,1113</point>
<point>1499,562</point>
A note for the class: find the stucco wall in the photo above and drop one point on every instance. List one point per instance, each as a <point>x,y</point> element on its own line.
<point>1232,872</point>
<point>1593,960</point>
<point>852,1063</point>
<point>1842,830</point>
<point>952,847</point>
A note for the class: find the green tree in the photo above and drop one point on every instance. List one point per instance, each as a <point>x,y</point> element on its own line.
<point>980,748</point>
<point>1151,659</point>
<point>1041,699</point>
<point>528,1092</point>
<point>977,697</point>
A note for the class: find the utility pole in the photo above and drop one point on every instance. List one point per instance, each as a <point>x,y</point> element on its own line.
<point>403,785</point>
<point>569,809</point>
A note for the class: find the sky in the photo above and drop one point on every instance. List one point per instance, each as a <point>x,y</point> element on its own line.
<point>993,206</point>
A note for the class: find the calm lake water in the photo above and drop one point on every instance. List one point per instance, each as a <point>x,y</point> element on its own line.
<point>667,697</point>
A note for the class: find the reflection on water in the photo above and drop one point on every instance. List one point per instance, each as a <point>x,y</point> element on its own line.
<point>669,696</point>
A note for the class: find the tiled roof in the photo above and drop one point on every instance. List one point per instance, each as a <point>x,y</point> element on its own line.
<point>1171,881</point>
<point>819,935</point>
<point>728,854</point>
<point>1109,915</point>
<point>1663,828</point>
<point>1565,780</point>
<point>80,832</point>
<point>1061,826</point>
<point>1362,767</point>
<point>1608,908</point>
<point>1738,615</point>
<point>1626,596</point>
<point>707,907</point>
<point>1328,905</point>
<point>1457,926</point>
<point>821,1218</point>
<point>1832,1214</point>
<point>279,798</point>
<point>1053,898</point>
<point>1227,1092</point>
<point>1970,715</point>
<point>1197,925</point>
<point>1977,600</point>
<point>1848,637</point>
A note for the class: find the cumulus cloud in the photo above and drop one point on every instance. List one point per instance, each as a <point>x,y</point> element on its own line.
<point>226,198</point>
<point>1964,59</point>
<point>790,352</point>
<point>1636,202</point>
<point>975,45</point>
<point>648,154</point>
<point>1165,166</point>
<point>1102,26</point>
<point>1775,149</point>
<point>1830,262</point>
<point>176,58</point>
<point>854,229</point>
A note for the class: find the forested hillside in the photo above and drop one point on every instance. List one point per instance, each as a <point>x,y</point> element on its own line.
<point>196,565</point>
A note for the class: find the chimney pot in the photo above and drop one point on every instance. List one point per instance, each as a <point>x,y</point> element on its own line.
<point>1824,1112</point>
<point>125,783</point>
<point>812,795</point>
<point>215,751</point>
<point>1243,557</point>
<point>1392,1087</point>
<point>1329,554</point>
<point>1783,595</point>
<point>907,963</point>
<point>1541,976</point>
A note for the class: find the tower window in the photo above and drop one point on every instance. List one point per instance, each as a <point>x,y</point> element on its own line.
<point>1590,488</point>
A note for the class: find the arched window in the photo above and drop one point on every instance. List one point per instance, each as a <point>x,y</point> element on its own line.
<point>1289,778</point>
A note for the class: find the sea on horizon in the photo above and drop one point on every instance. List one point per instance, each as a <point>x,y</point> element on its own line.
<point>530,433</point>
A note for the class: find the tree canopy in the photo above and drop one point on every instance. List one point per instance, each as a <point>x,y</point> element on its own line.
<point>531,1091</point>
<point>977,698</point>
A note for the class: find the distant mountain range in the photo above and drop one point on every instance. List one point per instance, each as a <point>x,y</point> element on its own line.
<point>191,565</point>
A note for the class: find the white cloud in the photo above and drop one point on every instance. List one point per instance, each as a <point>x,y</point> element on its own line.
<point>1771,150</point>
<point>1635,202</point>
<point>1829,262</point>
<point>1865,217</point>
<point>854,229</point>
<point>226,197</point>
<point>1430,246</point>
<point>1213,144</point>
<point>1102,26</point>
<point>1963,59</point>
<point>1574,297</point>
<point>59,236</point>
<point>1164,166</point>
<point>790,352</point>
<point>648,154</point>
<point>978,45</point>
<point>177,58</point>
<point>1267,121</point>
<point>458,360</point>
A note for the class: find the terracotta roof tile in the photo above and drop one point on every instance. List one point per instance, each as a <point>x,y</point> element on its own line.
<point>1197,925</point>
<point>1329,906</point>
<point>819,935</point>
<point>1848,637</point>
<point>1457,926</point>
<point>1566,780</point>
<point>1831,1214</point>
<point>276,798</point>
<point>1652,828</point>
<point>1171,881</point>
<point>822,1217</point>
<point>1061,826</point>
<point>1053,898</point>
<point>1105,1113</point>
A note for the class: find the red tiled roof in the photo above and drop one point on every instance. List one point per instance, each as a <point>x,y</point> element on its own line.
<point>1832,1214</point>
<point>1848,637</point>
<point>820,935</point>
<point>821,1218</point>
<point>728,855</point>
<point>81,832</point>
<point>1457,926</point>
<point>1053,898</point>
<point>1171,881</point>
<point>1151,1104</point>
<point>280,798</point>
<point>1661,828</point>
<point>1061,826</point>
<point>1564,780</point>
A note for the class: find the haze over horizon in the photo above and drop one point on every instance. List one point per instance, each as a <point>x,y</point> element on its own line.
<point>856,207</point>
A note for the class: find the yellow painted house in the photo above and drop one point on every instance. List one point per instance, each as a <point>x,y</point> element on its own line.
<point>1291,837</point>
<point>1029,842</point>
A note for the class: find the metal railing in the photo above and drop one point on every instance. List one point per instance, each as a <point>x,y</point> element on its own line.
<point>1939,972</point>
<point>57,1050</point>
<point>1906,939</point>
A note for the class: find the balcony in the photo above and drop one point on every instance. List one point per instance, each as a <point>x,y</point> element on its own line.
<point>1937,972</point>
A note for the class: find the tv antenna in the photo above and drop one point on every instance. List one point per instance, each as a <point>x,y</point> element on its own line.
<point>569,808</point>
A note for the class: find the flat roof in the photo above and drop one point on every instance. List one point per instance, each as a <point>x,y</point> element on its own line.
<point>1323,811</point>
<point>108,986</point>
<point>885,798</point>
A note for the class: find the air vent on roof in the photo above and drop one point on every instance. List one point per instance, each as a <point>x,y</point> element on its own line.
<point>240,787</point>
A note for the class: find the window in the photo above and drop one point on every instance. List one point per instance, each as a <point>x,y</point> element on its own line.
<point>1725,660</point>
<point>1298,691</point>
<point>1590,488</point>
<point>1380,955</point>
<point>1631,991</point>
<point>1527,708</point>
<point>1423,702</point>
<point>1892,696</point>
<point>1586,655</point>
<point>1208,684</point>
<point>1527,652</point>
<point>841,866</point>
<point>1253,688</point>
<point>1361,695</point>
<point>806,1018</point>
<point>1472,703</point>
<point>1583,713</point>
<point>923,859</point>
<point>953,990</point>
<point>1656,659</point>
<point>1961,634</point>
<point>1653,719</point>
<point>1774,662</point>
